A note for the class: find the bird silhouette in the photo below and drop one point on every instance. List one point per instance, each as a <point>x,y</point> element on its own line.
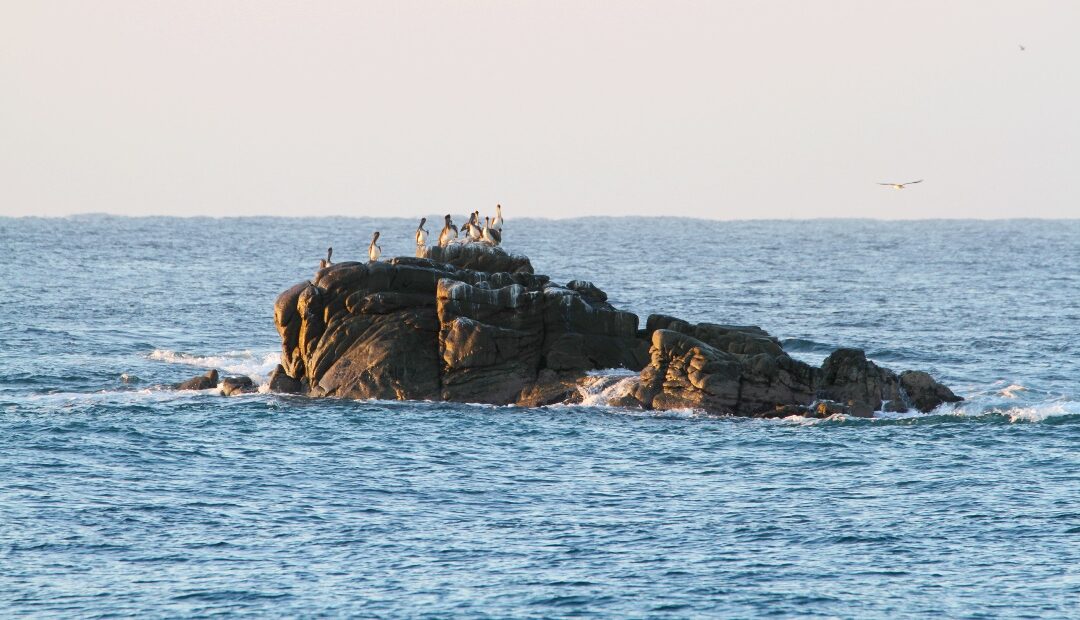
<point>900,185</point>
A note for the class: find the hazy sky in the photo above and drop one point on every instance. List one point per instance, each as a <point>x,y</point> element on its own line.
<point>738,109</point>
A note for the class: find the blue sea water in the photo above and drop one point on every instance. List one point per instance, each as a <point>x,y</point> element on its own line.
<point>121,498</point>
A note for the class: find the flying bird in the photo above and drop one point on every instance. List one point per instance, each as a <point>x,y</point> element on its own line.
<point>900,185</point>
<point>1022,48</point>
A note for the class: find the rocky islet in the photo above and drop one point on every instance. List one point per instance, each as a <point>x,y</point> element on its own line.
<point>470,322</point>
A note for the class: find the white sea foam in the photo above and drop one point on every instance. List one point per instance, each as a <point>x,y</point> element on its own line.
<point>253,364</point>
<point>1039,413</point>
<point>1011,391</point>
<point>115,397</point>
<point>600,390</point>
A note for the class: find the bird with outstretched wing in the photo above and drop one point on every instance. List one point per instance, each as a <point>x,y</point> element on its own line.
<point>900,185</point>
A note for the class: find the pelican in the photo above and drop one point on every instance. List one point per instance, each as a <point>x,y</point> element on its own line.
<point>421,233</point>
<point>373,250</point>
<point>900,185</point>
<point>491,235</point>
<point>449,232</point>
<point>475,232</point>
<point>466,229</point>
<point>325,262</point>
<point>497,224</point>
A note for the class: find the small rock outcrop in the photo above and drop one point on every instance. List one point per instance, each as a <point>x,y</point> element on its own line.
<point>281,383</point>
<point>202,382</point>
<point>923,392</point>
<point>231,386</point>
<point>474,323</point>
<point>744,371</point>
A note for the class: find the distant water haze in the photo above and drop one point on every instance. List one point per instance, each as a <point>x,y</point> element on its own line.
<point>714,110</point>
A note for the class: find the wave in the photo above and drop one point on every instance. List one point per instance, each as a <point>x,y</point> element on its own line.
<point>1012,390</point>
<point>145,396</point>
<point>1060,412</point>
<point>258,366</point>
<point>601,390</point>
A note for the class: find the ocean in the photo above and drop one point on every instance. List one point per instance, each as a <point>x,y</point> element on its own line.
<point>120,497</point>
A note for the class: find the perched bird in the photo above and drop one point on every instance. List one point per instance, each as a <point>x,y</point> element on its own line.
<point>373,250</point>
<point>491,235</point>
<point>466,228</point>
<point>475,232</point>
<point>421,233</point>
<point>497,224</point>
<point>449,232</point>
<point>325,262</point>
<point>900,185</point>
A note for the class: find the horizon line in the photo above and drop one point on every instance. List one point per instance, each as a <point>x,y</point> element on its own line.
<point>105,214</point>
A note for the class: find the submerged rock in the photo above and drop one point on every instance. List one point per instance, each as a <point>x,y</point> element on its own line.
<point>202,382</point>
<point>923,392</point>
<point>231,386</point>
<point>472,322</point>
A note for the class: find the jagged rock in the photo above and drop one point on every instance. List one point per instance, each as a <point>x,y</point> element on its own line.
<point>368,331</point>
<point>281,383</point>
<point>686,372</point>
<point>202,382</point>
<point>588,290</point>
<point>846,375</point>
<point>237,385</point>
<point>740,340</point>
<point>551,388</point>
<point>583,332</point>
<point>744,371</point>
<point>924,392</point>
<point>479,257</point>
<point>420,328</point>
<point>491,341</point>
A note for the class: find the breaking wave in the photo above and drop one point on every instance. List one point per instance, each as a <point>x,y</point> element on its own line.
<point>258,366</point>
<point>601,390</point>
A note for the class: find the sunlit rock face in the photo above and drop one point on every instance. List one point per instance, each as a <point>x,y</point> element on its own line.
<point>480,328</point>
<point>472,322</point>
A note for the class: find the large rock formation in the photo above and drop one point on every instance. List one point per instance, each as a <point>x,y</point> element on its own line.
<point>450,329</point>
<point>474,323</point>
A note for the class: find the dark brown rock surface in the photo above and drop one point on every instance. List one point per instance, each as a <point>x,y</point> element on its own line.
<point>202,382</point>
<point>420,328</point>
<point>231,386</point>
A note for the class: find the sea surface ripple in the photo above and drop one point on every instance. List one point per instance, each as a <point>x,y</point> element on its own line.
<point>122,498</point>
